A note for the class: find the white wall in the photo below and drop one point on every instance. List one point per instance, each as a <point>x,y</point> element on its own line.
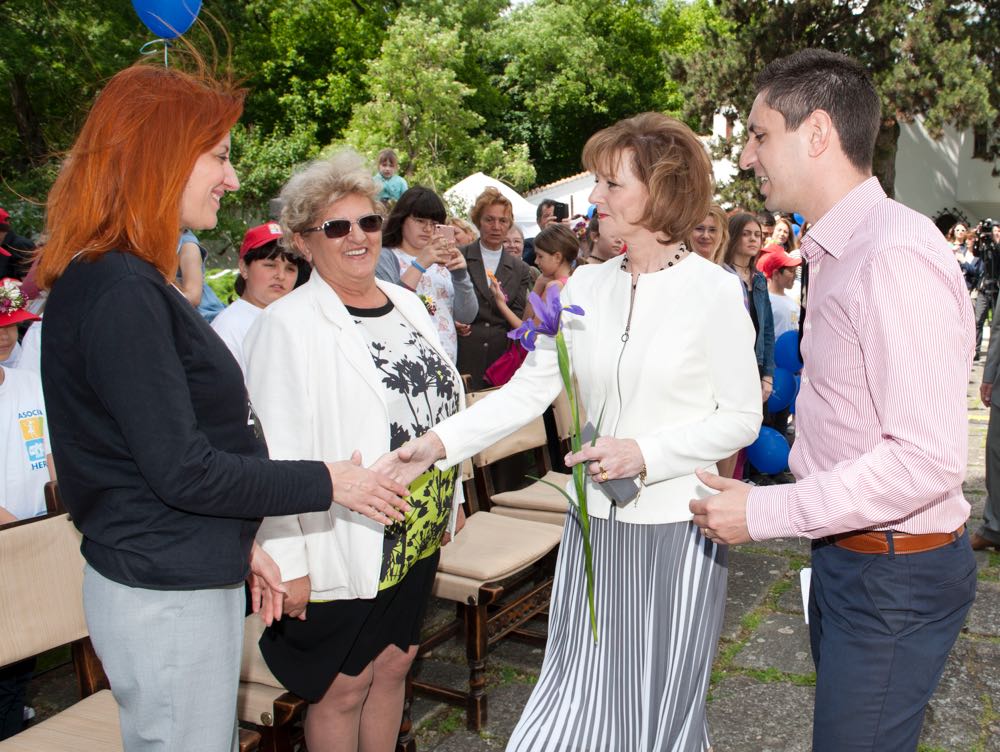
<point>932,176</point>
<point>574,192</point>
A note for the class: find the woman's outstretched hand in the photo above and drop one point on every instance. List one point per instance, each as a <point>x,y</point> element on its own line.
<point>410,461</point>
<point>368,491</point>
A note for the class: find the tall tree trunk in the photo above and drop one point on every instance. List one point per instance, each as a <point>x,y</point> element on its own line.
<point>884,165</point>
<point>28,127</point>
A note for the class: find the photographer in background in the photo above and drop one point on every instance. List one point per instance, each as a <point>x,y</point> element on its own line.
<point>986,248</point>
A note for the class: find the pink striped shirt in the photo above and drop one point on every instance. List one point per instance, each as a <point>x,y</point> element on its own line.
<point>881,427</point>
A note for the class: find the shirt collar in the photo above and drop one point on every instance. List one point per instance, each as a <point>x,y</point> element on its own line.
<point>835,228</point>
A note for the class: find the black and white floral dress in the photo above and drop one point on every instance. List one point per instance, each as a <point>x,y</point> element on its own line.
<point>420,392</point>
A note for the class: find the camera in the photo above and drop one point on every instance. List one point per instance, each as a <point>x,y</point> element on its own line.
<point>988,251</point>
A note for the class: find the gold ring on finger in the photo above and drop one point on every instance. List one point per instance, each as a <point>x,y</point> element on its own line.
<point>604,475</point>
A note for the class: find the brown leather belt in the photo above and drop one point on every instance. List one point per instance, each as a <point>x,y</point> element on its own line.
<point>876,542</point>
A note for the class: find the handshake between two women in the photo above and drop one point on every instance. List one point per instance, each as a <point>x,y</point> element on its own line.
<point>378,492</point>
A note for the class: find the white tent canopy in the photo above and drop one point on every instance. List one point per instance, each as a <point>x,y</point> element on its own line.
<point>465,192</point>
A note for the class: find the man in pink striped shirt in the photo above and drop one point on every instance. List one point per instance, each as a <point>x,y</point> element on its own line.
<point>881,438</point>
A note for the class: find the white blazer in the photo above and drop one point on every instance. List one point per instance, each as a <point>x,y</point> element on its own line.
<point>685,386</point>
<point>318,396</point>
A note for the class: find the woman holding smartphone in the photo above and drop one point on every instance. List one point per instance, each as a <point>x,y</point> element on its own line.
<point>430,263</point>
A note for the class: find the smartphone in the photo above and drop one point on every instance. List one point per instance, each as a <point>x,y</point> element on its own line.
<point>446,231</point>
<point>560,211</point>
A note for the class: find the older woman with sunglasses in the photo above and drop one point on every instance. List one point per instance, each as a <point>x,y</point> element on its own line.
<point>349,362</point>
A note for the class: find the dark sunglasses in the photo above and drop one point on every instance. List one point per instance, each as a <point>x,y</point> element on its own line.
<point>341,228</point>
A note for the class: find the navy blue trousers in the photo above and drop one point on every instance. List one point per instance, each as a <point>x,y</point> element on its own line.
<point>881,627</point>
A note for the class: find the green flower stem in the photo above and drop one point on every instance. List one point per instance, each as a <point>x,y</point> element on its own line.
<point>579,477</point>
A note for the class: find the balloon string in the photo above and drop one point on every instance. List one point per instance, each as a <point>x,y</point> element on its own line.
<point>149,48</point>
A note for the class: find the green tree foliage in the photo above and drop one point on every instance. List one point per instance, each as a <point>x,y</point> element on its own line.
<point>306,60</point>
<point>921,56</point>
<point>263,162</point>
<point>570,67</point>
<point>55,57</point>
<point>419,106</point>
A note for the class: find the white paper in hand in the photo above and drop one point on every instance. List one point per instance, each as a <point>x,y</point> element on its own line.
<point>805,579</point>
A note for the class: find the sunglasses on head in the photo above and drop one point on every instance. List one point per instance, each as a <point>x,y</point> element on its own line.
<point>341,228</point>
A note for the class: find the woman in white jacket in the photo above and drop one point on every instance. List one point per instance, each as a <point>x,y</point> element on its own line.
<point>664,351</point>
<point>345,366</point>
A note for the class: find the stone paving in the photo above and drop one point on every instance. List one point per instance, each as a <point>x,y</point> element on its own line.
<point>762,684</point>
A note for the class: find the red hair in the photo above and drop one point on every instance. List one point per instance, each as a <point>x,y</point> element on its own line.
<point>120,187</point>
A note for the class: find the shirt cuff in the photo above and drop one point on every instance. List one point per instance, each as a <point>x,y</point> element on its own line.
<point>767,513</point>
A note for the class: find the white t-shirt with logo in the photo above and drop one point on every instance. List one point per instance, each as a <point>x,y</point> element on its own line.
<point>25,444</point>
<point>786,314</point>
<point>232,326</point>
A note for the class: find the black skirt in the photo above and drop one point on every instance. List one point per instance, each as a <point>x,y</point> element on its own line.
<point>345,636</point>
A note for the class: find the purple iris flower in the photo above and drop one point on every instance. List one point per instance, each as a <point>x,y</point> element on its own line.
<point>548,312</point>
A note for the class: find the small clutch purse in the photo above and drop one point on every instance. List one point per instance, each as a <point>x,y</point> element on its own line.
<point>620,490</point>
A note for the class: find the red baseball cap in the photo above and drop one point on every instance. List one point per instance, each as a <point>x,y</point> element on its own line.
<point>4,216</point>
<point>260,235</point>
<point>12,303</point>
<point>777,259</point>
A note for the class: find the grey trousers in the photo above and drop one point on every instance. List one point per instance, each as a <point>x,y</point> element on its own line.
<point>990,528</point>
<point>173,660</point>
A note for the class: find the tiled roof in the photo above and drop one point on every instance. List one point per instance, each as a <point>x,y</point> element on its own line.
<point>545,187</point>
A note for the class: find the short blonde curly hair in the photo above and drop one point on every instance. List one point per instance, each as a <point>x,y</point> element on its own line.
<point>320,183</point>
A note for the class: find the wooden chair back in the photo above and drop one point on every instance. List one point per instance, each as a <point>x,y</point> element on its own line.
<point>41,601</point>
<point>531,436</point>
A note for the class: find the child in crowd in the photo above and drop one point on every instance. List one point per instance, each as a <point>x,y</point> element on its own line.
<point>267,272</point>
<point>191,277</point>
<point>556,249</point>
<point>25,463</point>
<point>391,186</point>
<point>779,268</point>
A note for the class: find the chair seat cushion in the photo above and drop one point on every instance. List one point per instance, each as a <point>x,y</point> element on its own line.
<point>538,495</point>
<point>535,515</point>
<point>90,725</point>
<point>491,547</point>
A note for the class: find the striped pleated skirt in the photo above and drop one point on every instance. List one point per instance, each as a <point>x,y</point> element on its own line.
<point>660,591</point>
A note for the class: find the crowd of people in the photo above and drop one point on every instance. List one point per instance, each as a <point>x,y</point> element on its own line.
<point>306,438</point>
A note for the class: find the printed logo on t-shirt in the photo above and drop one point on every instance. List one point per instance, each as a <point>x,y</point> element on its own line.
<point>34,437</point>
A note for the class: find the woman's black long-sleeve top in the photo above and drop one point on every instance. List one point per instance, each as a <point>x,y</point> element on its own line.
<point>160,461</point>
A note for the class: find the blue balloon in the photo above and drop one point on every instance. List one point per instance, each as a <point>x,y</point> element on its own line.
<point>786,352</point>
<point>167,19</point>
<point>782,391</point>
<point>769,453</point>
<point>799,219</point>
<point>797,230</point>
